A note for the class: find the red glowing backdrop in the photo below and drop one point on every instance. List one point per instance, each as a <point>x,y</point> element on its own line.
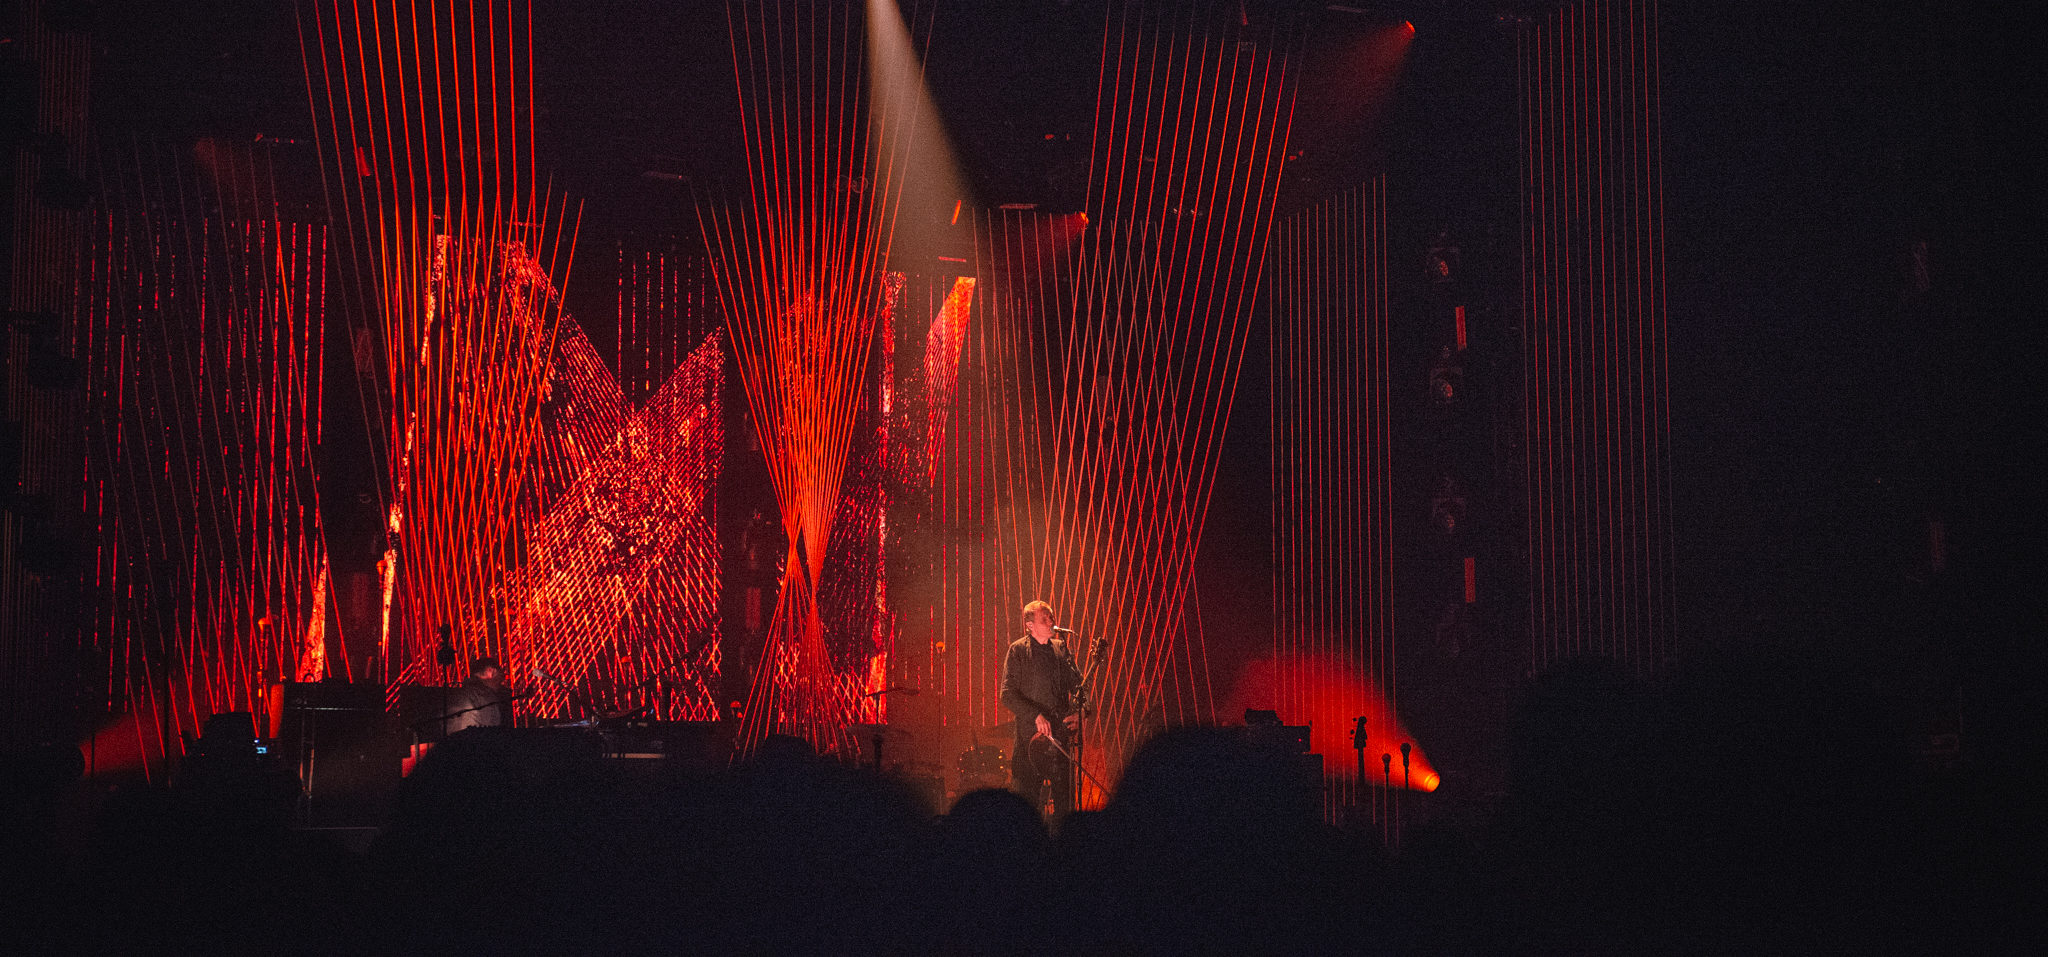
<point>542,507</point>
<point>200,317</point>
<point>799,264</point>
<point>613,604</point>
<point>952,575</point>
<point>941,447</point>
<point>462,254</point>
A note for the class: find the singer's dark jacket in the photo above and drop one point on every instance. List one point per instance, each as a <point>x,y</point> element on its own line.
<point>1038,679</point>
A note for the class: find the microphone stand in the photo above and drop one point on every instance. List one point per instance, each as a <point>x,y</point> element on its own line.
<point>1405,783</point>
<point>1070,756</point>
<point>1358,743</point>
<point>1081,708</point>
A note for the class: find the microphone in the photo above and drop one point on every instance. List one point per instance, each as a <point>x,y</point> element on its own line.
<point>1063,631</point>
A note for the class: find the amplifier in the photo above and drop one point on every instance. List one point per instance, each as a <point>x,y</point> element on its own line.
<point>332,696</point>
<point>347,753</point>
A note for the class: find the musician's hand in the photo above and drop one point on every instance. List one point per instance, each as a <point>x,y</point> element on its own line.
<point>1074,722</point>
<point>1044,726</point>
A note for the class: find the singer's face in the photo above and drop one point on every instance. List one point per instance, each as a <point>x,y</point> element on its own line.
<point>491,677</point>
<point>1039,624</point>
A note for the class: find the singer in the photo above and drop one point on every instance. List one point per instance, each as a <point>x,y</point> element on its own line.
<point>1038,685</point>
